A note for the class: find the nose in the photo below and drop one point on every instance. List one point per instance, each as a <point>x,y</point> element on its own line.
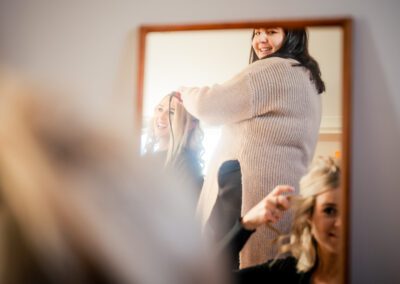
<point>338,222</point>
<point>262,37</point>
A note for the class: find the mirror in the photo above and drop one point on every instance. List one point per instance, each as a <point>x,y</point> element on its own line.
<point>202,55</point>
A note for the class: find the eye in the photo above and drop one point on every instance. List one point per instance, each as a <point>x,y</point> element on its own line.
<point>271,32</point>
<point>171,112</point>
<point>257,33</point>
<point>330,211</point>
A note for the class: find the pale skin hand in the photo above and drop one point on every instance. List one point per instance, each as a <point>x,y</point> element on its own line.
<point>181,91</point>
<point>270,209</point>
<point>177,95</point>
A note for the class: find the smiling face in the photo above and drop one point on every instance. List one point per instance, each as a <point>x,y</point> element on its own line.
<point>326,222</point>
<point>161,123</point>
<point>267,41</point>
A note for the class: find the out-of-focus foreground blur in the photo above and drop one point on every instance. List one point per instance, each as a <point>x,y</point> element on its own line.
<point>78,205</point>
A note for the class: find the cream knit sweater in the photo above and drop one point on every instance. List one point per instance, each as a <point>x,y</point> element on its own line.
<point>271,114</point>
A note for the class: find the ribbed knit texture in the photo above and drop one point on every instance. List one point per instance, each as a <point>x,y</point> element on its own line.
<point>271,114</point>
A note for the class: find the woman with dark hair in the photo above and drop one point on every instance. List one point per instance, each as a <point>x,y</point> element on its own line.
<point>270,113</point>
<point>294,46</point>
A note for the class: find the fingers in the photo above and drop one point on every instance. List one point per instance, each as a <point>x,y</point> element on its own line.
<point>281,201</point>
<point>280,189</point>
<point>270,209</point>
<point>275,215</point>
<point>277,203</point>
<point>177,95</point>
<point>272,212</point>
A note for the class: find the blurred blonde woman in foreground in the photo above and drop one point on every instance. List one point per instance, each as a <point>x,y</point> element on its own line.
<point>78,206</point>
<point>315,239</point>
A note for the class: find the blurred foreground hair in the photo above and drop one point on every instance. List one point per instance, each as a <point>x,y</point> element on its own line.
<point>76,203</point>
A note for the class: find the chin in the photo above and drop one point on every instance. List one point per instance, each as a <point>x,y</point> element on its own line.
<point>330,246</point>
<point>160,134</point>
<point>333,248</point>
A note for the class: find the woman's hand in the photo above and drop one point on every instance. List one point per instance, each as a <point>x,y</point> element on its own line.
<point>270,209</point>
<point>178,96</point>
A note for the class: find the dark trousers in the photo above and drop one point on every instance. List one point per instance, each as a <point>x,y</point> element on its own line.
<point>227,209</point>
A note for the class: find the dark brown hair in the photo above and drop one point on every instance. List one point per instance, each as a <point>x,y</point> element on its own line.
<point>295,46</point>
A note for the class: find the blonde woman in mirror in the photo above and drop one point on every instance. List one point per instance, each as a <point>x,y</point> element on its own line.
<point>175,141</point>
<point>315,239</point>
<point>270,115</point>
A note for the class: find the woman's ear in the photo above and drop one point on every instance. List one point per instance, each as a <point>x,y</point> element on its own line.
<point>309,218</point>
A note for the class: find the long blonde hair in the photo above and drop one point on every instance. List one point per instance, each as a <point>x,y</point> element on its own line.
<point>324,175</point>
<point>185,133</point>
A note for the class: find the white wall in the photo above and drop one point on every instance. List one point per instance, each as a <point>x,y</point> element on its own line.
<point>92,45</point>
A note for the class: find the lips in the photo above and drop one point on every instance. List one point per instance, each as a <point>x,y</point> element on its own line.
<point>263,51</point>
<point>161,125</point>
<point>332,235</point>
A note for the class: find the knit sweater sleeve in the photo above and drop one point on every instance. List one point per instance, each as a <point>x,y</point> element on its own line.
<point>221,103</point>
<point>251,93</point>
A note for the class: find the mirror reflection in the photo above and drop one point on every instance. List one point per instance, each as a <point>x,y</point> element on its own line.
<point>268,101</point>
<point>204,58</point>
